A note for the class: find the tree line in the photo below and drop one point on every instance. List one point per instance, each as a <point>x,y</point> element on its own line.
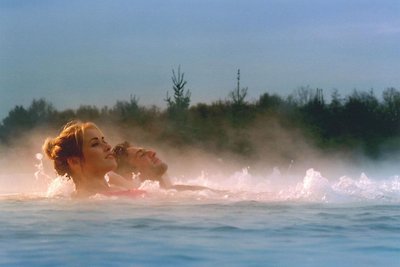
<point>357,121</point>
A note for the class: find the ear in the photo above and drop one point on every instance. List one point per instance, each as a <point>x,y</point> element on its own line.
<point>74,164</point>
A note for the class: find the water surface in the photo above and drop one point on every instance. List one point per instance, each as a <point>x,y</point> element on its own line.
<point>139,232</point>
<point>272,220</point>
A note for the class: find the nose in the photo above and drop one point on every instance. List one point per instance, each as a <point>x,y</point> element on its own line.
<point>107,146</point>
<point>151,153</point>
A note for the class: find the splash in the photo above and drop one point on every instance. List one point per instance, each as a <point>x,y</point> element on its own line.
<point>61,186</point>
<point>40,173</point>
<point>312,187</point>
<point>243,185</point>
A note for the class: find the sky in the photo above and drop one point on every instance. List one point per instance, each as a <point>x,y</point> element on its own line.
<point>96,52</point>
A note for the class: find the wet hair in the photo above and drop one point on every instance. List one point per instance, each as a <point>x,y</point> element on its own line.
<point>121,155</point>
<point>66,145</point>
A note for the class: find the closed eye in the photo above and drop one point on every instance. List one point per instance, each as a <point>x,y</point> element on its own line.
<point>94,142</point>
<point>140,153</point>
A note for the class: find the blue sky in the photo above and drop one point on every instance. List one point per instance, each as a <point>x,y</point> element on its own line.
<point>96,52</point>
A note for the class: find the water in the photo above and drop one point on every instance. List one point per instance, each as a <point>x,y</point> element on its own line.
<point>252,221</point>
<point>125,232</point>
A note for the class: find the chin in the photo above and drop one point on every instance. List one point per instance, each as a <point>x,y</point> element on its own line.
<point>110,166</point>
<point>163,168</point>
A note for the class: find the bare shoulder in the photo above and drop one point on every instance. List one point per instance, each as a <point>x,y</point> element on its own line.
<point>117,180</point>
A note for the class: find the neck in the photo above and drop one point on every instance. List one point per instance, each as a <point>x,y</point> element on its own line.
<point>126,173</point>
<point>86,186</point>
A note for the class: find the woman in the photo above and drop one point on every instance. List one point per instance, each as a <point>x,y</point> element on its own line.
<point>81,152</point>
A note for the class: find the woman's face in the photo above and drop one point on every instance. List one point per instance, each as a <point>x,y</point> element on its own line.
<point>98,158</point>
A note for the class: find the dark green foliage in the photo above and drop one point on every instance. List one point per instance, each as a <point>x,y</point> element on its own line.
<point>129,112</point>
<point>362,115</point>
<point>269,102</point>
<point>17,121</point>
<point>40,112</point>
<point>88,113</point>
<point>240,111</point>
<point>65,116</point>
<point>178,129</point>
<point>178,106</point>
<point>391,111</point>
<point>238,95</point>
<point>21,120</point>
<point>357,121</point>
<point>208,124</point>
<point>316,115</point>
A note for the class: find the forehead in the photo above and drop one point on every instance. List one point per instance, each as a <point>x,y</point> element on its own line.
<point>92,133</point>
<point>134,150</point>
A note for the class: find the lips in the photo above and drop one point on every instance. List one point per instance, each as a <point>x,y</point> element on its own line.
<point>110,156</point>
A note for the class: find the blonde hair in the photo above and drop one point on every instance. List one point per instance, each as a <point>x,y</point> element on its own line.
<point>67,144</point>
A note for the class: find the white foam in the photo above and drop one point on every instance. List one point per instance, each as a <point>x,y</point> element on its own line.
<point>310,186</point>
<point>61,186</point>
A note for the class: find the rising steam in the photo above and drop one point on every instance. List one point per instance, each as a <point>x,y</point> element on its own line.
<point>284,167</point>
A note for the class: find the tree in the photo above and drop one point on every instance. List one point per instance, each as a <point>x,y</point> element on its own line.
<point>336,100</point>
<point>304,95</point>
<point>391,109</point>
<point>181,99</point>
<point>87,112</point>
<point>391,101</point>
<point>241,113</point>
<point>267,101</point>
<point>127,111</point>
<point>18,121</point>
<point>239,94</point>
<point>177,108</point>
<point>315,113</point>
<point>41,111</point>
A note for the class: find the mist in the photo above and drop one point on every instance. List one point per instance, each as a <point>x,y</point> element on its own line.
<point>269,145</point>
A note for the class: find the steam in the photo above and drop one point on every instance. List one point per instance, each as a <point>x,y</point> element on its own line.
<point>283,166</point>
